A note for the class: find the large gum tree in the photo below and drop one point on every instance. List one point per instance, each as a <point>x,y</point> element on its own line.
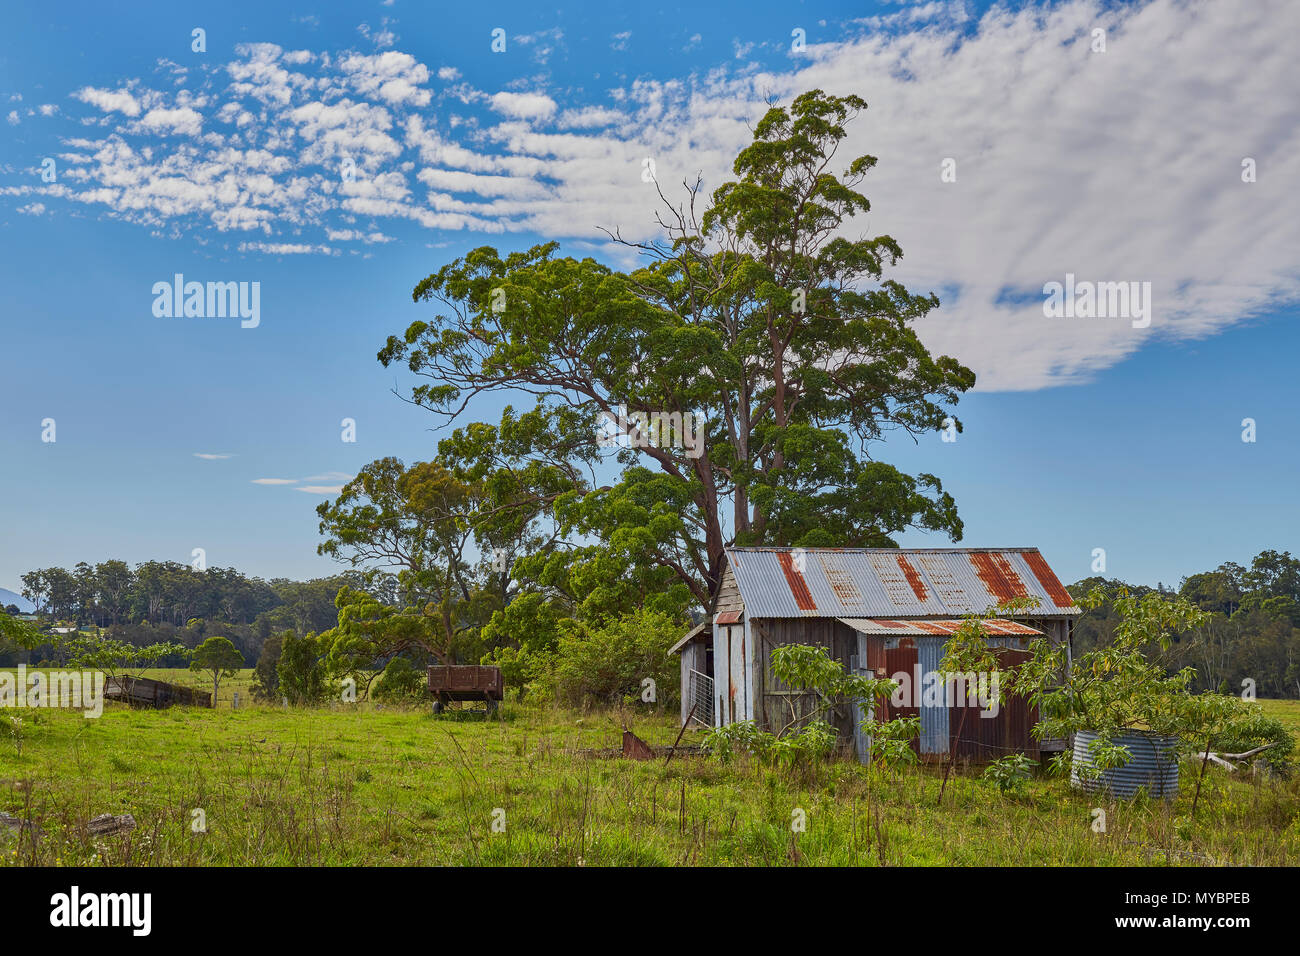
<point>757,310</point>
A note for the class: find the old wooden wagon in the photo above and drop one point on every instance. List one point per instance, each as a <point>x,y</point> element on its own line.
<point>887,612</point>
<point>146,692</point>
<point>465,682</point>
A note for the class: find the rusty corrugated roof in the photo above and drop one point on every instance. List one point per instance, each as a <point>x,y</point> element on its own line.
<point>889,583</point>
<point>940,626</point>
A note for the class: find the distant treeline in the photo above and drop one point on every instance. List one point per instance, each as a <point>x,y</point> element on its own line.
<point>168,601</point>
<point>1253,633</point>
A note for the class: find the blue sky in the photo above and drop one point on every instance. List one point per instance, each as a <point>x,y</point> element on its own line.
<point>224,165</point>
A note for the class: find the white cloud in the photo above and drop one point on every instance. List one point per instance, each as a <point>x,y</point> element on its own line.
<point>110,101</point>
<point>183,120</point>
<point>590,117</point>
<point>286,248</point>
<point>32,209</point>
<point>392,77</point>
<point>528,106</point>
<point>209,456</point>
<point>383,37</point>
<point>1123,165</point>
<point>355,235</point>
<point>456,181</point>
<point>345,129</point>
<point>314,484</point>
<point>543,43</point>
<point>13,118</point>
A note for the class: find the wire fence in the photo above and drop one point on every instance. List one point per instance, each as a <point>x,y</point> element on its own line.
<point>701,696</point>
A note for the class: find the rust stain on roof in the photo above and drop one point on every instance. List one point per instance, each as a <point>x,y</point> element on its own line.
<point>1010,627</point>
<point>998,575</point>
<point>841,583</point>
<point>798,586</point>
<point>941,626</point>
<point>913,577</point>
<point>1051,584</point>
<point>728,617</point>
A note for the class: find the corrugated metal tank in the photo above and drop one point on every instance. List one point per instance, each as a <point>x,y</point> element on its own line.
<point>1153,765</point>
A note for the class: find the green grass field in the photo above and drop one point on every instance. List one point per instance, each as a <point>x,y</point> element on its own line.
<point>358,785</point>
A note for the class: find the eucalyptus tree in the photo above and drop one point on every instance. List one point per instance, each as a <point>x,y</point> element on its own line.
<point>757,319</point>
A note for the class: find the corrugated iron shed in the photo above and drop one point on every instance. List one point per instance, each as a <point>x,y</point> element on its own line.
<point>932,627</point>
<point>891,583</point>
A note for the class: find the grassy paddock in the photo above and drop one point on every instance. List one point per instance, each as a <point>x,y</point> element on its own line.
<point>358,785</point>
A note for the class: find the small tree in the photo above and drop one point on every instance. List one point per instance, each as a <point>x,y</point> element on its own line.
<point>217,656</point>
<point>1232,724</point>
<point>119,658</point>
<point>19,633</point>
<point>1122,687</point>
<point>968,652</point>
<point>301,668</point>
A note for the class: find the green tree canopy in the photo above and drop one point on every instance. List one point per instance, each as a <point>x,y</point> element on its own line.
<point>758,314</point>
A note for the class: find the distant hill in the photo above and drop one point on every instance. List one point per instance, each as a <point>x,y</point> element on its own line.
<point>8,597</point>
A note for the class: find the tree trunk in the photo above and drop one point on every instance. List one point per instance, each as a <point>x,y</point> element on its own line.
<point>1201,777</point>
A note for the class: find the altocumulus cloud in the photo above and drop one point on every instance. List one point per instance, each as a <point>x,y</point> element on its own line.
<point>1115,166</point>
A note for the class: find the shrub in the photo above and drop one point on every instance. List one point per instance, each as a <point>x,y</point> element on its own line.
<point>401,680</point>
<point>1010,774</point>
<point>802,750</point>
<point>607,664</point>
<point>266,679</point>
<point>520,666</point>
<point>301,670</point>
<point>742,737</point>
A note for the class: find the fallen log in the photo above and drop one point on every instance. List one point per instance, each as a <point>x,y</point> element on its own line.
<point>107,824</point>
<point>11,824</point>
<point>1224,760</point>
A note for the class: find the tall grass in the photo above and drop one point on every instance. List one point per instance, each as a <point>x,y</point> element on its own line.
<point>356,785</point>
